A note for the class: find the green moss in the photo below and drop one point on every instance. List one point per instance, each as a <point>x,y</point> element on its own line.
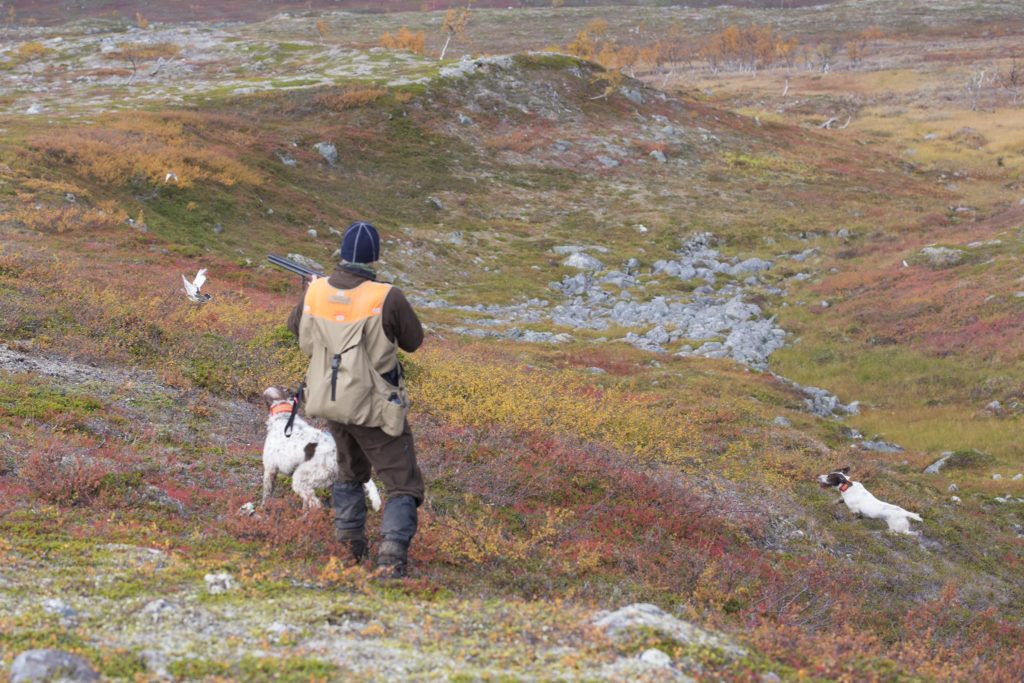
<point>297,669</point>
<point>121,664</point>
<point>198,669</point>
<point>551,60</point>
<point>27,399</point>
<point>31,639</point>
<point>969,459</point>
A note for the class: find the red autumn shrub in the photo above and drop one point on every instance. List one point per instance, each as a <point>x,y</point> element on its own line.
<point>65,477</point>
<point>282,525</point>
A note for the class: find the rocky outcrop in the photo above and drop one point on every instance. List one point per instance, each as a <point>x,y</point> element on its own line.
<point>619,624</point>
<point>51,665</point>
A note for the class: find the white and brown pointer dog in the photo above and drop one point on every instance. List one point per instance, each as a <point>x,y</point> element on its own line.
<point>309,455</point>
<point>862,503</point>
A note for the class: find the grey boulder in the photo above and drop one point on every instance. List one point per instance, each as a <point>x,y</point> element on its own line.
<point>51,665</point>
<point>622,622</point>
<point>328,151</point>
<point>942,257</point>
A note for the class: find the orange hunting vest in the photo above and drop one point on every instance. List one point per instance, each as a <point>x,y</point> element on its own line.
<point>342,333</point>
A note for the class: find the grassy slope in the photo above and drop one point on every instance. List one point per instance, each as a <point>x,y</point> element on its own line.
<point>717,517</point>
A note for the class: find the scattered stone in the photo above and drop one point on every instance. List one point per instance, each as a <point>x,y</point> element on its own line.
<point>59,607</point>
<point>751,265</point>
<point>997,477</point>
<point>288,160</point>
<point>328,151</point>
<point>222,582</point>
<point>937,465</point>
<point>942,257</point>
<point>804,255</point>
<point>51,665</point>
<point>880,446</point>
<point>467,66</point>
<point>1018,476</point>
<point>157,609</point>
<point>634,96</point>
<point>335,233</point>
<point>136,556</point>
<point>995,407</point>
<point>954,499</point>
<point>770,677</point>
<point>843,233</point>
<point>824,304</point>
<point>562,145</point>
<point>218,228</point>
<point>635,669</point>
<point>435,202</point>
<point>953,488</point>
<point>607,161</point>
<point>781,421</point>
<point>656,657</point>
<point>465,120</point>
<point>822,403</point>
<point>34,108</point>
<point>311,232</point>
<point>247,510</point>
<point>583,262</point>
<point>658,156</point>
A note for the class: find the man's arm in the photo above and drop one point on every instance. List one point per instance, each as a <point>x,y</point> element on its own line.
<point>296,315</point>
<point>401,324</point>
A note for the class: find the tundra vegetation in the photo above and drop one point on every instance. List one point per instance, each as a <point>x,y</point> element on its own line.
<point>871,151</point>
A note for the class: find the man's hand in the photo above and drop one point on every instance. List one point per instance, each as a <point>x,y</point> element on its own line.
<point>307,280</point>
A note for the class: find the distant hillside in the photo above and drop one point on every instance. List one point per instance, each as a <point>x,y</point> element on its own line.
<point>59,11</point>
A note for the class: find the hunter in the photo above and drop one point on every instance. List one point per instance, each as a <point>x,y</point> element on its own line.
<point>351,327</point>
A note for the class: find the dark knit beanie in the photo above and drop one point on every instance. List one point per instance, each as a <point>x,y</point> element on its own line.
<point>361,243</point>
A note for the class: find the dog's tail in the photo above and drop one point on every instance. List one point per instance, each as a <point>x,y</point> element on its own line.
<point>914,515</point>
<point>374,495</point>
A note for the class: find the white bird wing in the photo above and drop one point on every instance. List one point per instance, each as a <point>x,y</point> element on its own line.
<point>200,279</point>
<point>190,288</point>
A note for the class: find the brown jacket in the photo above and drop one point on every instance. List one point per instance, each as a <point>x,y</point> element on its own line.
<point>401,324</point>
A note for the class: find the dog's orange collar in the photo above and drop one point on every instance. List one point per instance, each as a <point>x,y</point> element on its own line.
<point>845,485</point>
<point>281,409</point>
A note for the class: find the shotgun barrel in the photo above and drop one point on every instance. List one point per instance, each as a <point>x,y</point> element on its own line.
<point>292,266</point>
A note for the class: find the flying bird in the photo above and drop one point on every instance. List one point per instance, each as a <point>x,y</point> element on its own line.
<point>191,289</point>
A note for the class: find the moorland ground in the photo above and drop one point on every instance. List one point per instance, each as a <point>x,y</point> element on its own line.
<point>598,473</point>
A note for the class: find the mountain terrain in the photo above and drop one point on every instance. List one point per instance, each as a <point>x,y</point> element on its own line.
<point>662,296</point>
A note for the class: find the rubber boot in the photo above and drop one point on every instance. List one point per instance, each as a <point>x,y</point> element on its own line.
<point>398,527</point>
<point>349,501</point>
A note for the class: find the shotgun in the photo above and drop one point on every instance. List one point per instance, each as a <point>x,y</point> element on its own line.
<point>293,267</point>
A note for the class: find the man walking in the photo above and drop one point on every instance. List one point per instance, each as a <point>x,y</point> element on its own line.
<point>351,327</point>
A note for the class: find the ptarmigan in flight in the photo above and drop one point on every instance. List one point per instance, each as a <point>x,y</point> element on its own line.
<point>191,289</point>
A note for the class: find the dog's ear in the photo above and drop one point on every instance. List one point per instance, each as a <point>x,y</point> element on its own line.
<point>845,470</point>
<point>273,394</point>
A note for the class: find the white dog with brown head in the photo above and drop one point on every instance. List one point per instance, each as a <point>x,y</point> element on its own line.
<point>308,455</point>
<point>860,502</point>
